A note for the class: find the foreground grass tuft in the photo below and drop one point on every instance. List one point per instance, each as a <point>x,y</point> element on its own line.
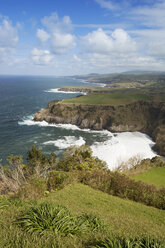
<point>127,243</point>
<point>59,220</point>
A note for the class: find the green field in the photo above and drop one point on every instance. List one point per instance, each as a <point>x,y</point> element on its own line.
<point>153,176</point>
<point>114,99</point>
<point>88,88</point>
<point>122,217</point>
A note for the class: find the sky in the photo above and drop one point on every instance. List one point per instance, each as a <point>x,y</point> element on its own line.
<point>69,37</point>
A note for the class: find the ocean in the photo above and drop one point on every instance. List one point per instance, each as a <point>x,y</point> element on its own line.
<point>22,96</point>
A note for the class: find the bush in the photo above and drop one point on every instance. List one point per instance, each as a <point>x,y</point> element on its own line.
<point>33,189</point>
<point>143,165</point>
<point>80,158</point>
<point>12,177</point>
<point>40,163</point>
<point>56,179</point>
<point>118,184</point>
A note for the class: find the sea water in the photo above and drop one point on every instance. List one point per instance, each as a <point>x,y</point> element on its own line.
<point>21,97</point>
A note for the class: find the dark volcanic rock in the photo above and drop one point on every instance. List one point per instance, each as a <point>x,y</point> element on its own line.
<point>146,117</point>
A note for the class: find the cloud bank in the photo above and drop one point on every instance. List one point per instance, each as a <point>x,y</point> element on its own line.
<point>133,38</point>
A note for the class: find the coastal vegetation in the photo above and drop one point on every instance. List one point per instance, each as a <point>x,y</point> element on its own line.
<point>75,201</point>
<point>142,79</point>
<point>113,99</point>
<point>154,176</point>
<point>141,115</point>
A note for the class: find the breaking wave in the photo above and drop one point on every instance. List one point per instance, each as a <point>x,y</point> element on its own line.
<point>57,90</point>
<point>66,142</point>
<point>113,148</point>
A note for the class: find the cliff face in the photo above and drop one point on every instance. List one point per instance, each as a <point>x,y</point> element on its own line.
<point>84,90</point>
<point>146,117</point>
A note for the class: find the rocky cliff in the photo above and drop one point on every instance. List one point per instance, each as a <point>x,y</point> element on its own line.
<point>146,117</point>
<point>85,89</point>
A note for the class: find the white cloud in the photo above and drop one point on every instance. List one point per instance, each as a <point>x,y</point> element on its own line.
<point>42,35</point>
<point>76,58</point>
<point>107,4</point>
<point>8,39</point>
<point>41,57</point>
<point>54,24</point>
<point>151,16</point>
<point>151,42</point>
<point>58,32</point>
<point>8,34</point>
<point>61,43</point>
<point>103,63</point>
<point>100,42</point>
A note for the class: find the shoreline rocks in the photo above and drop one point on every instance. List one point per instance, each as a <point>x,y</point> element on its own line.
<point>142,116</point>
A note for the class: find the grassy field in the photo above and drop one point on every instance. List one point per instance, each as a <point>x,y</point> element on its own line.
<point>114,99</point>
<point>88,88</point>
<point>121,217</point>
<point>153,176</point>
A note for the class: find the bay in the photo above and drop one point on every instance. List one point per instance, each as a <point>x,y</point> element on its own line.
<point>21,97</point>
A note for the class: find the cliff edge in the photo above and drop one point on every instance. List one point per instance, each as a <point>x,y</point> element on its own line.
<point>143,116</point>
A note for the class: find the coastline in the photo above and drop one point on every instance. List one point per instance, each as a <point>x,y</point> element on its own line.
<point>113,148</point>
<point>150,118</point>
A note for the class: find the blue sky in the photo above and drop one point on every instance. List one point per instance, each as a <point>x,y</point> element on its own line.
<point>67,37</point>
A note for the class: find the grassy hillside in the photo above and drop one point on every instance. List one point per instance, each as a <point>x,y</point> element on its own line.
<point>121,218</point>
<point>87,88</point>
<point>120,215</point>
<point>114,99</point>
<point>153,176</point>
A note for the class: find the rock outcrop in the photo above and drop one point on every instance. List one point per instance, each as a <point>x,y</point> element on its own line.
<point>84,89</point>
<point>146,117</point>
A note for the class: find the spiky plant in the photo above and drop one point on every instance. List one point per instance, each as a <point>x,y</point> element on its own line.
<point>127,243</point>
<point>91,222</point>
<point>47,218</point>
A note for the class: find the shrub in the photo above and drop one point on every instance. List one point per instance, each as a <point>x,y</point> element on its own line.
<point>118,184</point>
<point>14,161</point>
<point>11,179</point>
<point>142,165</point>
<point>59,179</point>
<point>33,189</point>
<point>80,158</point>
<point>56,179</point>
<point>40,163</point>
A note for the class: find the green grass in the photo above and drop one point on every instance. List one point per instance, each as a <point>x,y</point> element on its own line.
<point>123,217</point>
<point>87,88</point>
<point>120,217</point>
<point>114,99</point>
<point>58,220</point>
<point>153,176</point>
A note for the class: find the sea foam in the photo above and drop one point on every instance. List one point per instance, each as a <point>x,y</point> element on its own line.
<point>122,147</point>
<point>95,84</point>
<point>30,122</point>
<point>57,90</point>
<point>66,142</point>
<point>113,149</point>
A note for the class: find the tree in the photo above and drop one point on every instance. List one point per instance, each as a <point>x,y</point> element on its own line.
<point>14,161</point>
<point>39,162</point>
